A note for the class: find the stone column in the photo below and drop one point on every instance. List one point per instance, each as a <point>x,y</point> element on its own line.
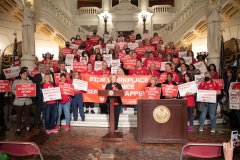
<point>143,4</point>
<point>106,5</point>
<point>213,10</point>
<point>28,40</point>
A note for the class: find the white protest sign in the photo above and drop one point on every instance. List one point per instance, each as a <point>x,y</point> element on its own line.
<point>234,96</point>
<point>69,68</point>
<point>98,46</point>
<point>106,37</point>
<point>182,54</point>
<point>108,47</point>
<point>69,59</point>
<point>163,66</point>
<point>162,47</point>
<point>116,63</point>
<point>98,65</point>
<point>50,94</point>
<point>199,79</point>
<point>80,85</point>
<point>74,46</point>
<point>11,72</point>
<point>209,96</point>
<point>132,46</point>
<point>108,59</point>
<point>114,69</point>
<point>188,60</point>
<point>189,87</point>
<point>201,66</point>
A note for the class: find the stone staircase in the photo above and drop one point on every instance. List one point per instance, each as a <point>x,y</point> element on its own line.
<point>126,120</point>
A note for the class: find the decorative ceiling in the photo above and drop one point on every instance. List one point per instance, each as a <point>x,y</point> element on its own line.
<point>98,3</point>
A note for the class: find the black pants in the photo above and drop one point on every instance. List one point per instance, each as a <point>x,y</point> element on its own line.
<point>2,123</point>
<point>26,111</point>
<point>38,111</point>
<point>89,104</point>
<point>116,115</point>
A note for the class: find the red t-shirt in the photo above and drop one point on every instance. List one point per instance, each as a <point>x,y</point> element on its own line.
<point>49,85</point>
<point>65,98</point>
<point>154,73</point>
<point>191,101</point>
<point>90,72</point>
<point>209,86</point>
<point>94,39</point>
<point>103,72</point>
<point>140,71</point>
<point>175,75</point>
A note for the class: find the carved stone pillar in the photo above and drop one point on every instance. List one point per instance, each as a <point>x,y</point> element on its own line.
<point>144,4</point>
<point>28,39</point>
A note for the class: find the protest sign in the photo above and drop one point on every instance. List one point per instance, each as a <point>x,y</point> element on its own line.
<point>66,50</point>
<point>208,96</point>
<point>80,84</point>
<point>26,90</point>
<point>129,64</point>
<point>98,65</point>
<point>5,86</point>
<point>11,72</point>
<point>188,60</point>
<point>79,66</point>
<point>158,64</point>
<point>108,59</point>
<point>69,59</point>
<point>199,79</point>
<point>234,96</point>
<point>106,37</point>
<point>201,66</point>
<point>114,69</point>
<point>155,40</point>
<point>169,90</point>
<point>57,77</point>
<point>182,54</point>
<point>189,87</point>
<point>108,47</point>
<point>152,93</point>
<point>50,94</point>
<point>116,63</point>
<point>132,46</point>
<point>220,82</point>
<point>66,88</point>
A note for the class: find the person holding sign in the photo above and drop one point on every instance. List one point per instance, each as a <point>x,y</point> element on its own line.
<point>23,104</point>
<point>113,85</point>
<point>138,70</point>
<point>169,81</point>
<point>104,71</point>
<point>154,82</point>
<point>208,84</point>
<point>64,104</point>
<point>190,101</point>
<point>213,70</point>
<point>89,71</point>
<point>77,101</point>
<point>50,109</point>
<point>152,70</point>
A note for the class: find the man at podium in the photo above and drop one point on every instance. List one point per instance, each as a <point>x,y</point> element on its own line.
<point>113,85</point>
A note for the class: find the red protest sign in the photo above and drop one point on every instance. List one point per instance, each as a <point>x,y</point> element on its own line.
<point>169,90</point>
<point>57,77</point>
<point>35,71</point>
<point>152,93</point>
<point>155,40</point>
<point>66,88</point>
<point>26,90</point>
<point>129,64</point>
<point>79,66</point>
<point>66,50</point>
<point>220,82</point>
<point>140,50</point>
<point>125,57</point>
<point>149,48</point>
<point>5,86</point>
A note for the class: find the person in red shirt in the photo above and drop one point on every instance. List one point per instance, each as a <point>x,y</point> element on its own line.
<point>168,69</point>
<point>208,84</point>
<point>183,71</point>
<point>169,81</point>
<point>50,109</point>
<point>159,49</point>
<point>77,100</point>
<point>213,70</point>
<point>93,72</point>
<point>138,70</point>
<point>88,45</point>
<point>152,70</point>
<point>120,38</point>
<point>104,71</point>
<point>47,58</point>
<point>76,55</point>
<point>67,49</point>
<point>150,58</point>
<point>190,54</point>
<point>94,38</point>
<point>132,37</point>
<point>64,104</point>
<point>190,101</point>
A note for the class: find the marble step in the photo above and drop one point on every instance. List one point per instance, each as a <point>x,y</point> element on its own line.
<point>130,110</point>
<point>125,121</point>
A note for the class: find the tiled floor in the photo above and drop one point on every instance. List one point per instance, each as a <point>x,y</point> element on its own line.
<point>85,143</point>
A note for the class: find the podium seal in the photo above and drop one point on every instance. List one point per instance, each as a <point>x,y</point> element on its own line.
<point>161,114</point>
<point>110,93</point>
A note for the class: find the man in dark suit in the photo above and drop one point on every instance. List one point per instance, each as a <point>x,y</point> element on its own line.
<point>37,79</point>
<point>62,68</point>
<point>113,85</point>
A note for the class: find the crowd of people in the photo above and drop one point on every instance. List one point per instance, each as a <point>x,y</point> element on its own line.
<point>148,51</point>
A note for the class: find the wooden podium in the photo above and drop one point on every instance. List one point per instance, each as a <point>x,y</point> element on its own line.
<point>112,94</point>
<point>162,121</point>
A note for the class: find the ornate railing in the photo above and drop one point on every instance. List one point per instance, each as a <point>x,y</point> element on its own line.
<point>89,10</point>
<point>161,8</point>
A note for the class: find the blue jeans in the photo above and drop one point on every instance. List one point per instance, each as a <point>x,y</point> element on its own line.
<point>190,115</point>
<point>77,103</point>
<point>66,109</point>
<point>50,116</point>
<point>211,108</point>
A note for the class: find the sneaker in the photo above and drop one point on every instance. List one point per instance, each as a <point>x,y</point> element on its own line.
<point>67,127</point>
<point>92,111</point>
<point>87,111</point>
<point>48,131</point>
<point>201,129</point>
<point>54,131</point>
<point>83,119</point>
<point>75,119</point>
<point>57,127</point>
<point>190,128</point>
<point>213,130</point>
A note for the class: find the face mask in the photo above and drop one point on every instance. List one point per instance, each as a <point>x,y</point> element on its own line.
<point>67,45</point>
<point>78,38</point>
<point>88,38</point>
<point>207,78</point>
<point>127,52</point>
<point>73,40</point>
<point>94,33</point>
